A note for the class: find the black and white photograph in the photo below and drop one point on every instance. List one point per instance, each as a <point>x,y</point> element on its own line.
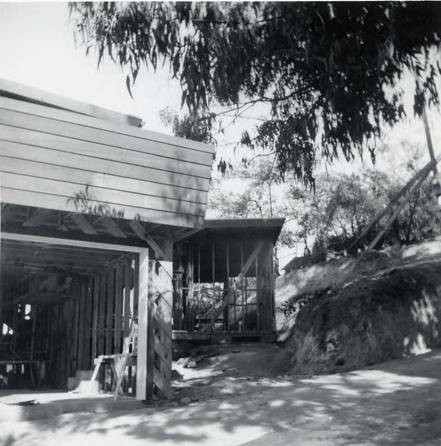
<point>220,223</point>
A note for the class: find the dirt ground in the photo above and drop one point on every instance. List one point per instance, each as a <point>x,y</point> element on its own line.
<point>234,397</point>
<point>388,307</point>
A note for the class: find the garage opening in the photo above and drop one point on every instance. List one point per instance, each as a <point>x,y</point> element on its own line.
<point>61,307</point>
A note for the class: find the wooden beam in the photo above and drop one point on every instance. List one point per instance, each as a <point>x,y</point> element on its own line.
<point>69,242</point>
<point>112,227</point>
<point>405,189</point>
<point>429,143</point>
<point>36,218</point>
<point>81,221</point>
<point>395,214</point>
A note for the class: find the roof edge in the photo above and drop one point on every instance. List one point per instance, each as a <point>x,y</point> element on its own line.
<point>23,92</point>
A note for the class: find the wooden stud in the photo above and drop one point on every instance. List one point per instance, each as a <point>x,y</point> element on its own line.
<point>96,296</point>
<point>87,363</point>
<point>242,288</point>
<point>75,332</point>
<point>143,352</point>
<point>251,259</point>
<point>127,288</point>
<point>118,308</point>
<point>110,311</point>
<point>81,324</point>
<point>102,313</point>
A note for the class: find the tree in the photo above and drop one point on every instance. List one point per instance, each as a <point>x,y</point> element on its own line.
<point>344,204</point>
<point>256,195</point>
<point>329,73</point>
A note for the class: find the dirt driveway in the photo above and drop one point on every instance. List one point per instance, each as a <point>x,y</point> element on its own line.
<point>396,403</point>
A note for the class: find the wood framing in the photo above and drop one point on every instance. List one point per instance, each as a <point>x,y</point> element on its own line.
<point>229,295</point>
<point>224,280</point>
<point>100,315</point>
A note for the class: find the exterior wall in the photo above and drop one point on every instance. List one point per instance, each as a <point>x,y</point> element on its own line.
<point>50,157</point>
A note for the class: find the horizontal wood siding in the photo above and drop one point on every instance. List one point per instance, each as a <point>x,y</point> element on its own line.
<point>49,156</point>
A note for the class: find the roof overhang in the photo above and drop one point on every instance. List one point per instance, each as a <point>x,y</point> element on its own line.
<point>241,228</point>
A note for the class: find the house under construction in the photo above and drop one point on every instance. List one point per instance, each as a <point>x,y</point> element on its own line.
<point>106,256</point>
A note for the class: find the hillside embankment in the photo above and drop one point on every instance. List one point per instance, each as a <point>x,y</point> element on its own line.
<point>389,306</point>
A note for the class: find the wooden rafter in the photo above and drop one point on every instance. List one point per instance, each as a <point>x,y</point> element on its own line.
<point>6,212</point>
<point>37,218</point>
<point>81,221</point>
<point>141,233</point>
<point>184,233</point>
<point>112,227</point>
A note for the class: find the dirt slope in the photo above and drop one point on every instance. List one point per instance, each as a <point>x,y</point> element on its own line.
<point>389,308</point>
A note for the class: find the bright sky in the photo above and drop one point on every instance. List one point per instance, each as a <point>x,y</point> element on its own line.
<point>37,48</point>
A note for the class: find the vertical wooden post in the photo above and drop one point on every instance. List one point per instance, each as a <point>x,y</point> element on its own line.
<point>143,348</point>
<point>110,316</point>
<point>102,314</point>
<point>190,288</point>
<point>160,301</point>
<point>1,317</point>
<point>81,324</point>
<point>118,308</point>
<point>96,295</point>
<point>87,363</point>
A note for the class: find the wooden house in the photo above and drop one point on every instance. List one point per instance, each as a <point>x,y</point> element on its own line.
<point>224,281</point>
<point>90,207</point>
<point>105,246</point>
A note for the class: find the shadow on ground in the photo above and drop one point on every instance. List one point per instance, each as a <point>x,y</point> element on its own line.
<point>396,403</point>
